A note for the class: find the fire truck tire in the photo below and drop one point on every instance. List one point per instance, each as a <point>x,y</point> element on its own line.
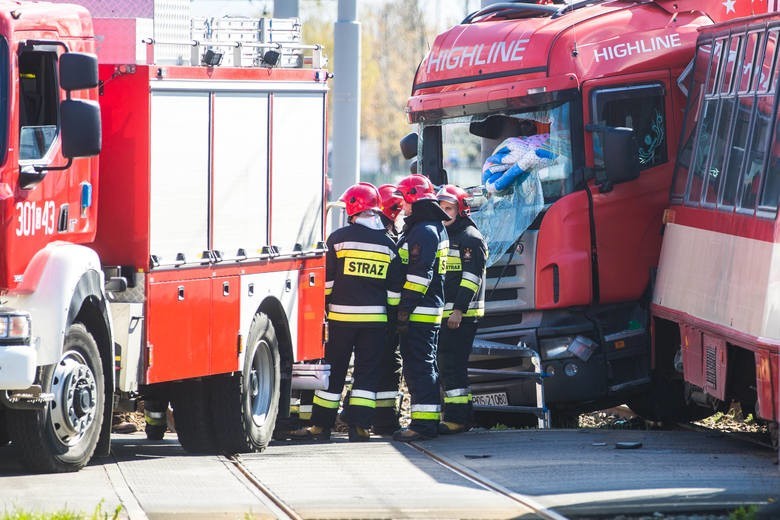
<point>61,437</point>
<point>4,438</point>
<point>194,427</point>
<point>245,405</point>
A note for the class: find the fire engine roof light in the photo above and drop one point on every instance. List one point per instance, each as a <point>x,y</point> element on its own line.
<point>271,58</point>
<point>211,58</point>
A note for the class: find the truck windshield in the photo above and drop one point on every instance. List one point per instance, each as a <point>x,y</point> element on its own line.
<point>537,141</point>
<point>514,164</point>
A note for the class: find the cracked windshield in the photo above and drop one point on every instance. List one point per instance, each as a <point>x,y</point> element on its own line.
<point>513,164</point>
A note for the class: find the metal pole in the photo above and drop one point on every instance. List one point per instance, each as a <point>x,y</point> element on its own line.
<point>346,99</point>
<point>286,9</point>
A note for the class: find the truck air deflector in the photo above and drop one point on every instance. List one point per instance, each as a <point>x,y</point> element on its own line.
<point>480,77</point>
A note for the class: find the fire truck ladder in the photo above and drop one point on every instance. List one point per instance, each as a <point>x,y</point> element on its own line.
<point>540,410</point>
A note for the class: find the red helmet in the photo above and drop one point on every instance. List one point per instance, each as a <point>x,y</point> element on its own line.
<point>362,196</point>
<point>416,187</point>
<point>455,195</point>
<point>391,201</point>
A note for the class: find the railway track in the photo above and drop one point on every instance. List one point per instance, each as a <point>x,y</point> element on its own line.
<point>285,512</point>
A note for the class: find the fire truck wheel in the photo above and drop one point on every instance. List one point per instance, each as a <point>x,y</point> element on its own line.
<point>4,438</point>
<point>245,405</point>
<point>62,436</point>
<point>194,428</point>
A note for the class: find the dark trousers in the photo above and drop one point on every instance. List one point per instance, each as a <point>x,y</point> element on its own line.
<point>418,350</point>
<point>453,357</point>
<point>368,344</point>
<point>386,414</point>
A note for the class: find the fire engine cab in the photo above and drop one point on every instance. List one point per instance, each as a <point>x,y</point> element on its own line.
<point>162,224</point>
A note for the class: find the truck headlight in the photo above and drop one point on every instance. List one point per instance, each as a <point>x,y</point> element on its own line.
<point>555,348</point>
<point>15,326</point>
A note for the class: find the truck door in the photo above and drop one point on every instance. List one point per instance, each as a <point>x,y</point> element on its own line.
<point>627,216</point>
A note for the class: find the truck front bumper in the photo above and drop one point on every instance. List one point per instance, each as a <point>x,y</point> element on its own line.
<point>17,366</point>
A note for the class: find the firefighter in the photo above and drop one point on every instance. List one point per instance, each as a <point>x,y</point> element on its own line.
<point>387,411</point>
<point>464,297</point>
<point>362,280</point>
<point>423,249</point>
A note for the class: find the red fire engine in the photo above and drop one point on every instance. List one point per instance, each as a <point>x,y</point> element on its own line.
<point>715,307</point>
<point>597,82</point>
<point>182,260</point>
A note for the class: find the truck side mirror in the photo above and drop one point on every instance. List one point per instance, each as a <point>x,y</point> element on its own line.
<point>409,144</point>
<point>81,132</point>
<point>78,71</point>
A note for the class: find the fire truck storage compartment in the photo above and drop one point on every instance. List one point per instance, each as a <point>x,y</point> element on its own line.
<point>225,202</point>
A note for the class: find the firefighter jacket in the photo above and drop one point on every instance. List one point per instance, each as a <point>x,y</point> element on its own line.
<point>423,249</point>
<point>362,276</point>
<point>463,285</point>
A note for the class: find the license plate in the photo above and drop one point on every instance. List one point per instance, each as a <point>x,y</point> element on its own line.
<point>495,399</point>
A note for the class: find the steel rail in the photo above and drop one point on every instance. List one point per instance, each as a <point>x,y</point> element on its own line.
<point>278,507</point>
<point>464,472</point>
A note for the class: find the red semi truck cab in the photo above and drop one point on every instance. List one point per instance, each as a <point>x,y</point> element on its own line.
<point>163,226</point>
<point>574,247</point>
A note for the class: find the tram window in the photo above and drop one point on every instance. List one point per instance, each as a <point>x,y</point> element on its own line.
<point>751,173</point>
<point>712,74</point>
<point>771,190</point>
<point>739,139</point>
<point>751,60</point>
<point>770,69</point>
<point>699,169</point>
<point>721,138</point>
<point>727,73</point>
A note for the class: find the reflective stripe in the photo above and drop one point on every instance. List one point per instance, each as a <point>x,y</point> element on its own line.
<point>386,395</point>
<point>426,408</point>
<point>386,399</point>
<point>468,284</point>
<point>460,399</point>
<point>453,264</point>
<point>329,291</point>
<point>471,276</point>
<point>456,392</point>
<point>357,309</point>
<point>409,286</point>
<point>420,280</point>
<point>457,396</point>
<point>327,395</point>
<point>304,411</point>
<point>360,401</point>
<point>426,315</point>
<point>357,313</point>
<point>325,403</point>
<point>356,392</point>
<point>364,247</point>
<point>329,284</point>
<point>471,313</point>
<point>426,416</point>
<point>393,298</point>
<point>403,253</point>
<point>358,318</point>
